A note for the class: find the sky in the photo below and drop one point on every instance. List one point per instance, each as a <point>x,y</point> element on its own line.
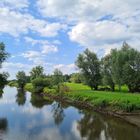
<point>52,33</point>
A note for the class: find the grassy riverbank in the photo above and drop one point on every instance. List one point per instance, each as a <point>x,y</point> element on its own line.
<point>114,101</point>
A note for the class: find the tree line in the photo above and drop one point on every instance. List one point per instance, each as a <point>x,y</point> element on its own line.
<point>119,67</point>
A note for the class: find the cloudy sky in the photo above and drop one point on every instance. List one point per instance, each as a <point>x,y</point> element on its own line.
<point>53,32</point>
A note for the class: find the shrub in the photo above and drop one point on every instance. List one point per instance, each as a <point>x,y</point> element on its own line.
<point>13,84</point>
<point>29,87</point>
<point>48,90</point>
<point>63,88</point>
<point>40,83</point>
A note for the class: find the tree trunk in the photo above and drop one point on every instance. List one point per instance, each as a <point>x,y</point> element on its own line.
<point>113,87</point>
<point>120,88</point>
<point>96,87</point>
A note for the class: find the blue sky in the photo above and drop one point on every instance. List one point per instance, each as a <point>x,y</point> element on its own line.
<point>52,33</point>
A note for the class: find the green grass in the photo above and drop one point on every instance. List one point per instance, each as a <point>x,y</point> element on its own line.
<point>116,100</point>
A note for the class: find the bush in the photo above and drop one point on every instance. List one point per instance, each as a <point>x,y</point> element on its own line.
<point>49,91</point>
<point>40,83</point>
<point>63,88</point>
<point>13,84</point>
<point>29,87</point>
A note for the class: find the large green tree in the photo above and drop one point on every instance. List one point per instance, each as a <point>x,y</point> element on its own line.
<point>107,72</point>
<point>131,71</point>
<point>37,72</point>
<point>89,66</point>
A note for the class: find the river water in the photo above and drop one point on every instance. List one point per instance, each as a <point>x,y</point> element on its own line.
<point>25,116</point>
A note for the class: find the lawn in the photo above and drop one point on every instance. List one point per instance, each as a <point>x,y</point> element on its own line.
<point>116,100</point>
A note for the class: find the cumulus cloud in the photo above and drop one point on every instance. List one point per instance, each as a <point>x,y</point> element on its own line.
<point>66,69</point>
<point>97,24</point>
<point>14,4</point>
<point>22,23</point>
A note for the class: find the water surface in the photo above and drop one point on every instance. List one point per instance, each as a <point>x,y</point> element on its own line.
<point>25,116</point>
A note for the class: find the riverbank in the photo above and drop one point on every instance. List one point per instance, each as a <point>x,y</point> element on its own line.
<point>123,105</point>
<point>119,104</point>
<point>132,118</point>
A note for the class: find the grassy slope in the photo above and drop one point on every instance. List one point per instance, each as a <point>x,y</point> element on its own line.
<point>116,100</point>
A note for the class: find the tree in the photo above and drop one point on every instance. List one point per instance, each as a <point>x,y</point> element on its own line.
<point>40,83</point>
<point>131,71</point>
<point>3,79</point>
<point>76,78</point>
<point>57,77</point>
<point>37,72</point>
<point>89,65</point>
<point>21,79</point>
<point>119,59</point>
<point>107,71</point>
<point>3,54</point>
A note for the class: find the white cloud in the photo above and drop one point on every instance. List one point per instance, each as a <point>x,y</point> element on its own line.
<point>22,23</point>
<point>49,49</point>
<point>31,54</point>
<point>14,4</point>
<point>78,10</point>
<point>97,24</point>
<point>100,35</point>
<point>13,68</point>
<point>66,69</point>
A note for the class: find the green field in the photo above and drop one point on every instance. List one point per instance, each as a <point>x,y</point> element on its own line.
<point>115,100</point>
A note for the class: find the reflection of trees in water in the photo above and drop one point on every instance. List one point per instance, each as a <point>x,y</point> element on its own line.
<point>1,92</point>
<point>21,97</point>
<point>90,126</point>
<point>38,101</point>
<point>94,126</point>
<point>58,112</point>
<point>3,127</point>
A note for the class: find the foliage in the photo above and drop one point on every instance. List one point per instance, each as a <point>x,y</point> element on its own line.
<point>3,79</point>
<point>48,90</point>
<point>37,72</point>
<point>21,79</point>
<point>89,65</point>
<point>76,78</point>
<point>29,87</point>
<point>3,54</point>
<point>40,83</point>
<point>57,77</point>
<point>13,83</point>
<point>107,72</point>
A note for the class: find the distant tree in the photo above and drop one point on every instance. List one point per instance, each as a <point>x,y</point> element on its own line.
<point>57,77</point>
<point>3,79</point>
<point>89,65</point>
<point>66,77</point>
<point>76,78</point>
<point>3,54</point>
<point>21,79</point>
<point>40,83</point>
<point>37,72</point>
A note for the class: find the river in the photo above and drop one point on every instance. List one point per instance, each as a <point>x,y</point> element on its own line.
<point>25,116</point>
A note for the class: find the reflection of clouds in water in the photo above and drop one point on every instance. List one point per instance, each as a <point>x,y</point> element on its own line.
<point>52,134</point>
<point>7,101</point>
<point>28,109</point>
<point>76,132</point>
